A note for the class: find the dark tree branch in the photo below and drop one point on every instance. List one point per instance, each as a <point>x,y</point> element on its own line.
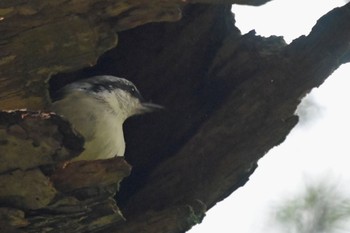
<point>266,87</point>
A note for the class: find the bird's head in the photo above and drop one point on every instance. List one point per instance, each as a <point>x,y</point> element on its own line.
<point>119,94</point>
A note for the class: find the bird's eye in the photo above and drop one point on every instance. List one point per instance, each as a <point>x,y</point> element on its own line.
<point>133,89</point>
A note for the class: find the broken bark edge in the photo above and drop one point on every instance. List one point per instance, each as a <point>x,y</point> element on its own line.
<point>44,192</point>
<point>173,219</point>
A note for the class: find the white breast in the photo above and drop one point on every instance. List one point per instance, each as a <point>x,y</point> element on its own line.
<point>101,128</point>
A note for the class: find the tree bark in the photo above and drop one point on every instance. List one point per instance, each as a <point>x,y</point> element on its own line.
<point>228,99</point>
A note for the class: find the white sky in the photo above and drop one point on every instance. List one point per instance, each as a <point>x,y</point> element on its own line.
<point>317,148</point>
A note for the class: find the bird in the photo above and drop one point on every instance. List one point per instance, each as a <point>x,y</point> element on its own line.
<point>97,107</point>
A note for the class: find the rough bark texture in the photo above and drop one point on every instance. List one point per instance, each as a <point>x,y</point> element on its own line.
<point>228,99</point>
<point>40,191</point>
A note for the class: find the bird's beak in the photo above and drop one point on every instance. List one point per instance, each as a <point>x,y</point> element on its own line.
<point>149,107</point>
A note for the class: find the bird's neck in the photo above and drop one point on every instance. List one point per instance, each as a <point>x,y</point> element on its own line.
<point>117,108</point>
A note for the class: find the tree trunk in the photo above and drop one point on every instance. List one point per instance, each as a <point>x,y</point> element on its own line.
<point>228,99</point>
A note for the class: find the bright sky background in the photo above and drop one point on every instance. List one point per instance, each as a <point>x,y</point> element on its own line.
<point>316,149</point>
